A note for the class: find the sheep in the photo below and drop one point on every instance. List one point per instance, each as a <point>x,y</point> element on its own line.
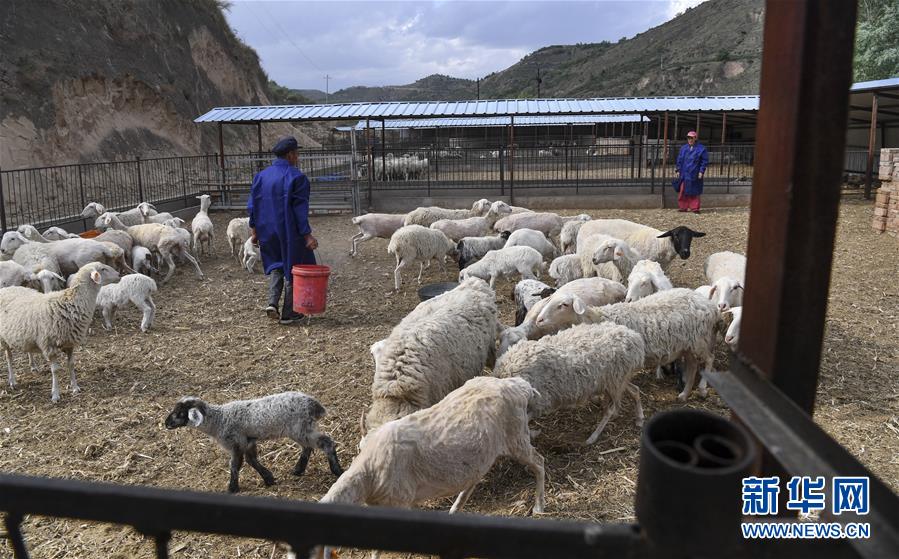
<point>445,449</point>
<point>438,346</point>
<point>457,229</point>
<point>505,262</point>
<point>534,239</point>
<point>58,234</point>
<point>645,279</point>
<point>416,243</point>
<point>568,236</point>
<point>501,207</point>
<point>37,259</point>
<point>732,336</point>
<point>142,261</point>
<point>13,273</point>
<point>587,251</point>
<point>136,288</point>
<point>549,224</point>
<point>240,425</point>
<point>51,324</point>
<point>128,218</point>
<point>650,243</point>
<point>201,227</point>
<point>526,294</point>
<point>572,367</point>
<point>726,272</point>
<point>372,226</point>
<point>121,238</point>
<point>31,233</point>
<point>251,255</point>
<point>676,323</point>
<point>428,215</point>
<point>616,251</point>
<point>149,214</point>
<point>165,240</point>
<point>472,249</point>
<point>566,268</point>
<point>598,291</point>
<point>70,254</point>
<point>238,232</point>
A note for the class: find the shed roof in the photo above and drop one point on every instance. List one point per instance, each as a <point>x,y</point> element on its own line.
<point>491,121</point>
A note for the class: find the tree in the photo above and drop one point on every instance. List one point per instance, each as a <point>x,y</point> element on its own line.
<point>877,40</point>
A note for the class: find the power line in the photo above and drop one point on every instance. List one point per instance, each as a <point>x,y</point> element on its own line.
<point>289,40</point>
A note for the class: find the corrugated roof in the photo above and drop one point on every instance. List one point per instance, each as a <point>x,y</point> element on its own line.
<point>497,107</point>
<point>875,85</point>
<point>497,121</point>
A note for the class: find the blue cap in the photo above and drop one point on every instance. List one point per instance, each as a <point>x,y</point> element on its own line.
<point>285,145</point>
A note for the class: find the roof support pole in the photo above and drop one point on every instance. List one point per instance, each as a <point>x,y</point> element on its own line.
<point>383,154</point>
<point>369,161</point>
<point>676,134</point>
<point>512,161</point>
<point>664,160</point>
<point>872,140</point>
<point>259,137</point>
<point>723,128</point>
<point>221,164</point>
<point>221,147</point>
<point>697,124</point>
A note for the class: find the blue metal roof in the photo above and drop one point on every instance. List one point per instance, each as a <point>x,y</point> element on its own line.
<point>875,85</point>
<point>498,121</point>
<point>495,107</point>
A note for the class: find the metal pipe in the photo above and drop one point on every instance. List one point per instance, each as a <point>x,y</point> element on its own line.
<point>664,161</point>
<point>869,170</point>
<point>512,161</point>
<point>723,128</point>
<point>383,154</point>
<point>2,204</point>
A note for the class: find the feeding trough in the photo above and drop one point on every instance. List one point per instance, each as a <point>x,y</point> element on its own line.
<point>434,289</point>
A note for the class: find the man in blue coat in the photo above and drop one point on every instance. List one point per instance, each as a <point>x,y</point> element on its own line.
<point>691,165</point>
<point>279,223</point>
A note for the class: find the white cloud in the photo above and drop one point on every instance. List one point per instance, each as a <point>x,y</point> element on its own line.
<point>676,7</point>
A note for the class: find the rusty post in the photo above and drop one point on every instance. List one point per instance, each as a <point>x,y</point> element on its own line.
<point>872,133</point>
<point>512,160</point>
<point>806,74</point>
<point>383,154</point>
<point>3,204</point>
<point>664,161</point>
<point>676,134</point>
<point>697,125</point>
<point>369,160</point>
<point>221,147</point>
<point>723,128</point>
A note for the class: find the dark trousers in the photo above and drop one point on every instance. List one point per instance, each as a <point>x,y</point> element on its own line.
<point>276,285</point>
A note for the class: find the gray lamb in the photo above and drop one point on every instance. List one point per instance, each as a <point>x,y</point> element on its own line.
<point>237,426</point>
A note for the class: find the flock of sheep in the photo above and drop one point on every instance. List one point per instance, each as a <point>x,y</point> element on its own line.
<point>437,422</point>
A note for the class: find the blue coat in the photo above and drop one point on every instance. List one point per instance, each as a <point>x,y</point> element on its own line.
<point>689,164</point>
<point>279,211</point>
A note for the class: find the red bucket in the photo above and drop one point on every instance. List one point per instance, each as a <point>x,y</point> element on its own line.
<point>310,288</point>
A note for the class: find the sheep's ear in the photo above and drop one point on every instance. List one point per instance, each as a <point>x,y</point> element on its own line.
<point>739,286</point>
<point>712,291</point>
<point>578,306</point>
<point>95,277</point>
<point>195,417</point>
<point>667,234</point>
<point>698,234</point>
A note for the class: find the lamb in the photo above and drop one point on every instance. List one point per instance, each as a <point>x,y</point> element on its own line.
<point>51,324</point>
<point>587,250</point>
<point>31,233</point>
<point>416,243</point>
<point>572,367</point>
<point>136,288</point>
<point>598,291</point>
<point>438,346</point>
<point>149,214</point>
<point>142,261</point>
<point>505,262</point>
<point>445,449</point>
<point>372,226</point>
<point>501,207</point>
<point>649,243</point>
<point>534,239</point>
<point>251,255</point>
<point>428,215</point>
<point>732,336</point>
<point>726,272</point>
<point>201,227</point>
<point>12,273</point>
<point>472,249</point>
<point>58,234</point>
<point>526,294</point>
<point>549,224</point>
<point>568,236</point>
<point>457,229</point>
<point>128,218</point>
<point>37,259</point>
<point>566,268</point>
<point>240,425</point>
<point>615,251</point>
<point>645,279</point>
<point>676,323</point>
<point>238,232</point>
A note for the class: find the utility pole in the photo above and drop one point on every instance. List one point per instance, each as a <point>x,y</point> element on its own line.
<point>539,81</point>
<point>327,89</point>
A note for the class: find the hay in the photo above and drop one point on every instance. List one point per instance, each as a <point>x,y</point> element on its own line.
<point>212,339</point>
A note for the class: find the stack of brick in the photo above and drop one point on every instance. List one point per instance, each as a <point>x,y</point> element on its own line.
<point>886,208</point>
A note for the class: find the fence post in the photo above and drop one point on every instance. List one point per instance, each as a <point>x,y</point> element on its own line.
<point>140,181</point>
<point>183,181</point>
<point>81,192</point>
<point>2,204</point>
<point>502,179</point>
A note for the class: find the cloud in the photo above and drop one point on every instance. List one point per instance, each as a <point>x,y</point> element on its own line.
<point>393,43</point>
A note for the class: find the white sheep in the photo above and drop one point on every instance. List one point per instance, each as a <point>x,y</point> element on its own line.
<point>31,233</point>
<point>726,272</point>
<point>13,273</point>
<point>238,232</point>
<point>615,251</point>
<point>587,250</point>
<point>576,365</point>
<point>201,227</point>
<point>251,255</point>
<point>415,243</point>
<point>595,291</point>
<point>149,214</point>
<point>732,336</point>
<point>372,226</point>
<point>457,229</point>
<point>534,239</point>
<point>51,324</point>
<point>505,262</point>
<point>136,288</point>
<point>142,261</point>
<point>128,217</point>
<point>445,449</point>
<point>428,215</point>
<point>442,343</point>
<point>566,268</point>
<point>549,224</point>
<point>501,207</point>
<point>472,249</point>
<point>526,294</point>
<point>645,279</point>
<point>165,240</point>
<point>37,259</point>
<point>120,238</point>
<point>240,425</point>
<point>58,234</point>
<point>650,243</point>
<point>70,254</point>
<point>568,236</point>
<point>676,323</point>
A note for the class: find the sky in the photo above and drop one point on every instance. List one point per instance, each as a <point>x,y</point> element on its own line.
<point>393,43</point>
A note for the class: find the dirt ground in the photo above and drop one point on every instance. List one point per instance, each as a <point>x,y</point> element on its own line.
<point>211,339</point>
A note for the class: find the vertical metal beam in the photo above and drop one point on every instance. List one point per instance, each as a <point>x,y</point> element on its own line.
<point>369,160</point>
<point>723,128</point>
<point>221,147</point>
<point>512,160</point>
<point>872,141</point>
<point>697,125</point>
<point>3,204</point>
<point>676,135</point>
<point>383,154</point>
<point>664,161</point>
<point>259,137</point>
<point>806,71</point>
